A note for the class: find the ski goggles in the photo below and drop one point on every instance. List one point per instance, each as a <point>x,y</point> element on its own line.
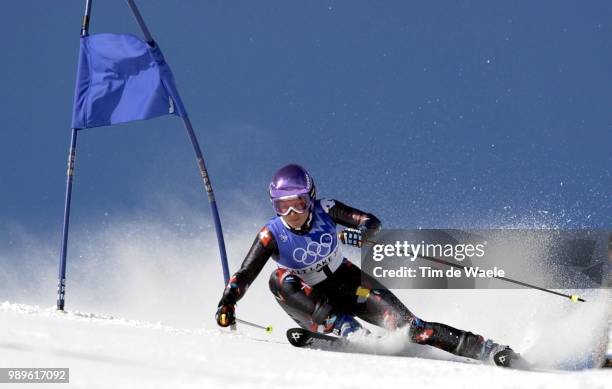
<point>297,203</point>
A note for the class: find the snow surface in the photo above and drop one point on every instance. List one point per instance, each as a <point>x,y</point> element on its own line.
<point>105,351</point>
<point>165,281</point>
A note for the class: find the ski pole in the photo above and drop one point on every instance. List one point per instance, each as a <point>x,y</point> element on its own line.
<point>267,328</point>
<point>575,298</point>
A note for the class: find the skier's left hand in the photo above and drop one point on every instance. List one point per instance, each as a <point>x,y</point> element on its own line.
<point>226,315</point>
<point>351,236</point>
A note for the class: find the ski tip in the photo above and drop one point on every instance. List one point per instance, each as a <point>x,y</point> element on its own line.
<point>297,336</point>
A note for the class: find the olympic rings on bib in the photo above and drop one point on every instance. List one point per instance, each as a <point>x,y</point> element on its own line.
<point>314,250</point>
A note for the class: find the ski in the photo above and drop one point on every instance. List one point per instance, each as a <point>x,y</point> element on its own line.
<point>302,338</point>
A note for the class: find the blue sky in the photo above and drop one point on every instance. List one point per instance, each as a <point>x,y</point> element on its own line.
<point>432,114</point>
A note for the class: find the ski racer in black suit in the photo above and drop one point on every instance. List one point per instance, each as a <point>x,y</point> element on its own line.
<point>319,288</point>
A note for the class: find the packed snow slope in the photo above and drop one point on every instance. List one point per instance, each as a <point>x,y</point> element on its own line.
<point>165,281</point>
<point>103,352</point>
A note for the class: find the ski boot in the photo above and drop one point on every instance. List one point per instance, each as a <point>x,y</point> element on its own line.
<point>343,325</point>
<point>499,354</point>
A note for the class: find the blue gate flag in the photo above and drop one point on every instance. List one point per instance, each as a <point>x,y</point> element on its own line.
<point>121,78</point>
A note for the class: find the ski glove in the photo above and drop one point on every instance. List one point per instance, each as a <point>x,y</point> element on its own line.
<point>226,315</point>
<point>351,236</point>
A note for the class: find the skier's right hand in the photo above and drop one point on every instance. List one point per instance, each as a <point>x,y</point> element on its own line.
<point>226,315</point>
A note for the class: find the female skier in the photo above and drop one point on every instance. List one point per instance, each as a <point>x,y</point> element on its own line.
<point>319,288</point>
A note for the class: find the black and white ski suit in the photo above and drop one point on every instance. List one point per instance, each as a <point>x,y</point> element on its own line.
<point>334,286</point>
